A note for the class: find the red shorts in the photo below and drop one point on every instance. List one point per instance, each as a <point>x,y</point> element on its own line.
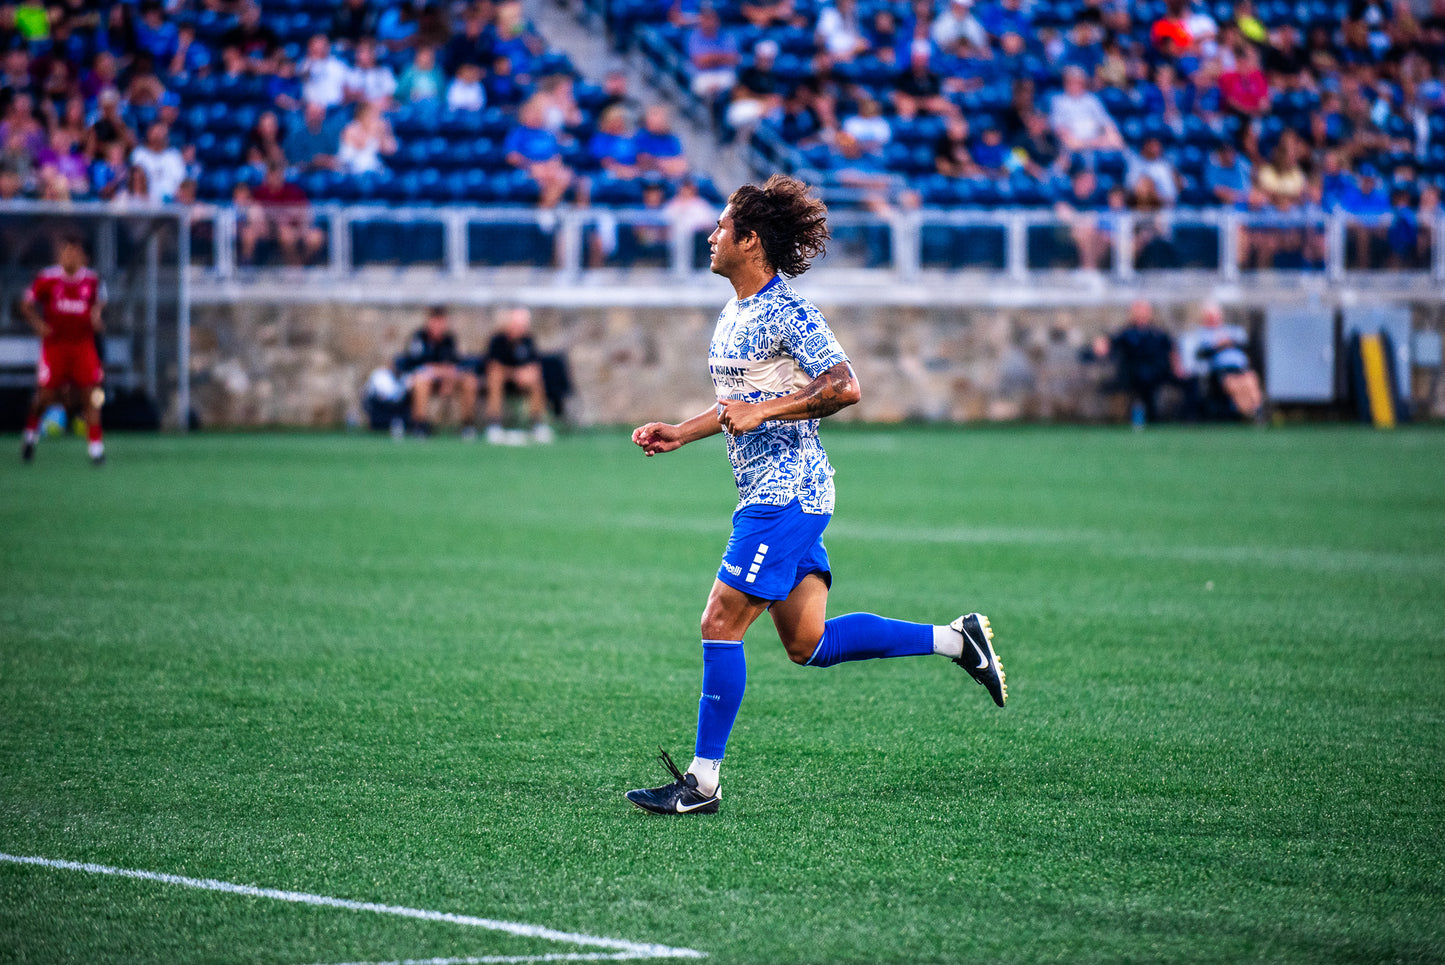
<point>73,363</point>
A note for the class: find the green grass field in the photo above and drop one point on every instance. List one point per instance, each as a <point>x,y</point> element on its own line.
<point>421,675</point>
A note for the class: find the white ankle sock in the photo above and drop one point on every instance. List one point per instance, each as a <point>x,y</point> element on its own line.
<point>947,641</point>
<point>96,449</point>
<point>706,772</point>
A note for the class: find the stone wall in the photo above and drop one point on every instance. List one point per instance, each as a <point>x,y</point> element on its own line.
<point>260,364</point>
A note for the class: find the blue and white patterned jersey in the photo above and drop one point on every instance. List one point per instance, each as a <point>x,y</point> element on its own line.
<point>765,346</point>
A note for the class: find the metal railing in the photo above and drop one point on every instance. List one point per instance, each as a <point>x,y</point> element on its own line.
<point>905,245</point>
<point>571,245</point>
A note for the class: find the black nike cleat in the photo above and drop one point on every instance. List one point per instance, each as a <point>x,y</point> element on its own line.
<point>679,797</point>
<point>27,451</point>
<point>978,657</point>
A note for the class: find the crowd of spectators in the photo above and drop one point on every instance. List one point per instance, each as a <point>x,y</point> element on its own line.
<point>174,100</point>
<point>1287,113</point>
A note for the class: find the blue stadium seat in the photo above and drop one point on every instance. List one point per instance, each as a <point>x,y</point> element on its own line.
<point>504,244</point>
<point>477,187</point>
<point>1198,132</point>
<point>1109,164</point>
<point>938,189</point>
<point>430,186</point>
<point>1435,159</point>
<point>488,154</point>
<point>797,41</point>
<point>210,25</point>
<point>1190,159</point>
<point>410,121</point>
<point>616,191</point>
<point>496,123</point>
<point>410,155</point>
<point>514,187</point>
<point>404,188</point>
<point>458,124</point>
<point>216,185</point>
<point>374,241</point>
<point>316,184</point>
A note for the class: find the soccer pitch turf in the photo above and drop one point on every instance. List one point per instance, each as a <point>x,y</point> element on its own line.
<point>421,676</point>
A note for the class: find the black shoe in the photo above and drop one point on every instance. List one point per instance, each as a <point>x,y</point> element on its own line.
<point>98,460</point>
<point>679,797</point>
<point>27,451</point>
<point>978,657</point>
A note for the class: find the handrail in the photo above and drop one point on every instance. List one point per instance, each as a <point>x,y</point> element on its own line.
<point>900,245</point>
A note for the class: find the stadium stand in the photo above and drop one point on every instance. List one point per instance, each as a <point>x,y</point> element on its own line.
<point>233,82</point>
<point>1329,105</point>
<point>1359,80</point>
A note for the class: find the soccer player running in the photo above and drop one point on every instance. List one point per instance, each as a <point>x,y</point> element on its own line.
<point>777,370</point>
<point>63,304</point>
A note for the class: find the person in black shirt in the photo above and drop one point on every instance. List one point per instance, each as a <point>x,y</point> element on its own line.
<point>252,36</point>
<point>431,368</point>
<point>1146,358</point>
<point>513,362</point>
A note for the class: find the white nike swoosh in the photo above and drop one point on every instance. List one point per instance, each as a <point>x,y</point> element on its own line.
<point>982,657</point>
<point>684,810</point>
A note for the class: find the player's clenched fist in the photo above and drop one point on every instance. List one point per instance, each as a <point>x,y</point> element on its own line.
<point>656,437</point>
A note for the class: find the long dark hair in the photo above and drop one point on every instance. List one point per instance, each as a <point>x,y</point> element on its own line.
<point>791,225</point>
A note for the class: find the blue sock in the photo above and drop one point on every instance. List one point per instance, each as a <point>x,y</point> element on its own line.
<point>864,636</point>
<point>724,677</point>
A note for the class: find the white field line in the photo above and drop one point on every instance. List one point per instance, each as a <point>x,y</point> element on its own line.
<point>623,949</point>
<point>513,959</point>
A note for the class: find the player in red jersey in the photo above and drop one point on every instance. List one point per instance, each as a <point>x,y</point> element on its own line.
<point>63,305</point>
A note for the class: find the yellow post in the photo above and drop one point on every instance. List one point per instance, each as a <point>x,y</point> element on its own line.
<point>1377,381</point>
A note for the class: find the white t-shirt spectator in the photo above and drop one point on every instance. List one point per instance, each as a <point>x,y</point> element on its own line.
<point>957,21</point>
<point>841,38</point>
<point>323,80</point>
<point>1082,117</point>
<point>871,133</point>
<point>462,96</point>
<point>372,84</point>
<point>165,170</point>
<point>1159,170</point>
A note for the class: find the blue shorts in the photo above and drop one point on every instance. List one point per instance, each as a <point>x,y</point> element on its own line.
<point>773,548</point>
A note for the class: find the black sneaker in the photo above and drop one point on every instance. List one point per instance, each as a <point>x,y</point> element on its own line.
<point>679,797</point>
<point>978,657</point>
<point>27,451</point>
<point>98,460</point>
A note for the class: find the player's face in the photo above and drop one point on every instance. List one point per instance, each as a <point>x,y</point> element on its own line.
<point>726,256</point>
<point>72,258</point>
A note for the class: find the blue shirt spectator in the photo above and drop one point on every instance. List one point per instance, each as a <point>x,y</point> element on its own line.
<point>155,35</point>
<point>396,26</point>
<point>658,149</point>
<point>612,148</point>
<point>1084,48</point>
<point>312,139</point>
<point>530,143</point>
<point>191,56</point>
<point>1227,176</point>
<point>1365,198</point>
<point>503,85</point>
<point>1005,16</point>
<point>1403,235</point>
<point>989,151</point>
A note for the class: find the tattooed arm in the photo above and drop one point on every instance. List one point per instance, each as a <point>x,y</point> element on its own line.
<point>835,389</point>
